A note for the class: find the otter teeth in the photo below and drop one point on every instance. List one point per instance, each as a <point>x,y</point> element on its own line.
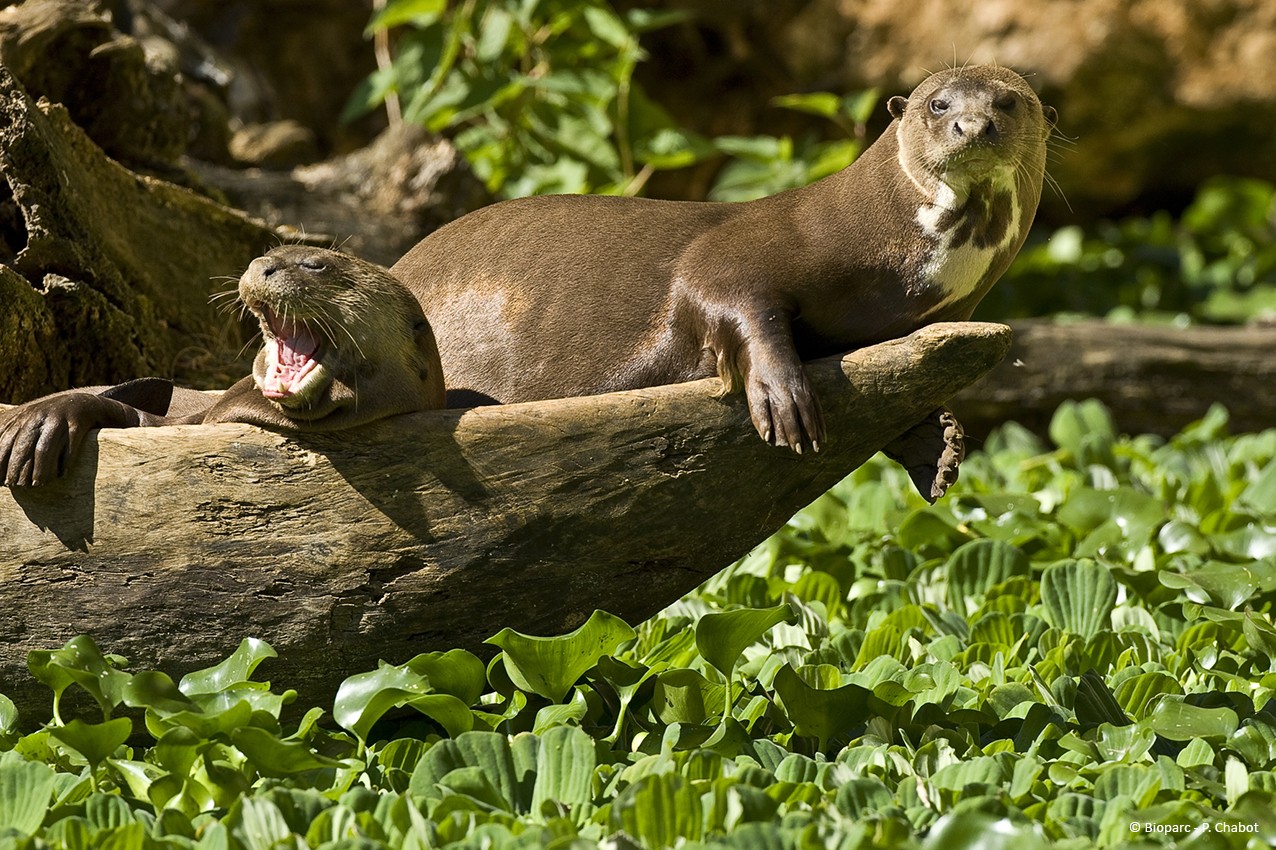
<point>290,356</point>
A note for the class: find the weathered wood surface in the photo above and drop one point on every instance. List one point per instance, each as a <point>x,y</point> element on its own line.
<point>431,530</point>
<point>1154,379</point>
<point>107,274</point>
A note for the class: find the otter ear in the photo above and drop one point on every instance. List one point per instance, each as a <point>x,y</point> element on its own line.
<point>1052,114</point>
<point>896,106</point>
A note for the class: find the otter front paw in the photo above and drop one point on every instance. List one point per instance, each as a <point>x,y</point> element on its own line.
<point>39,439</point>
<point>785,412</point>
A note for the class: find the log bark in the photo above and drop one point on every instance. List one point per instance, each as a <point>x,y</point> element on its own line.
<point>433,530</point>
<point>1154,379</point>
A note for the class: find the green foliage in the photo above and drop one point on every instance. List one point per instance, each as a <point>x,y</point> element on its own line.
<point>538,94</point>
<point>1216,263</point>
<point>764,165</point>
<point>1074,649</point>
<point>540,97</point>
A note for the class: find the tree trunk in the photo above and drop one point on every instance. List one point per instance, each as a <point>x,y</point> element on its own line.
<point>433,530</point>
<point>1154,379</point>
<point>108,273</point>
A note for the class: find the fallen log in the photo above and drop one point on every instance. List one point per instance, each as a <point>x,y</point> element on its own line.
<point>1155,379</point>
<point>432,530</point>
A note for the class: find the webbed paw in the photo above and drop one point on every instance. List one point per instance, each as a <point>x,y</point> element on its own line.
<point>39,439</point>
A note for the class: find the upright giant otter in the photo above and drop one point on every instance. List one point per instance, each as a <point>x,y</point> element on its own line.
<point>571,295</point>
<point>344,343</point>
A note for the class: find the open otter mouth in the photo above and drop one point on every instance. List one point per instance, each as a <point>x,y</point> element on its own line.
<point>291,349</point>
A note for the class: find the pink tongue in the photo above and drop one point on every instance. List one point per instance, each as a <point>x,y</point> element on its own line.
<point>289,356</point>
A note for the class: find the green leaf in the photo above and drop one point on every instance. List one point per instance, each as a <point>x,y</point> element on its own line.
<point>1085,430</point>
<point>549,666</point>
<point>659,811</point>
<point>976,830</point>
<point>421,13</point>
<point>508,769</point>
<point>157,692</point>
<point>822,103</point>
<point>259,824</point>
<point>237,668</point>
<point>607,27</point>
<point>8,717</point>
<point>363,699</point>
<point>980,770</point>
<point>1260,494</point>
<point>1228,585</point>
<point>80,661</point>
<point>26,790</point>
<point>1259,634</point>
<point>456,672</point>
<point>271,756</point>
<point>94,741</point>
<point>1136,692</point>
<point>1178,721</point>
<point>821,714</point>
<point>682,695</point>
<point>979,565</point>
<point>723,637</point>
<point>564,768</point>
<point>1078,596</point>
<point>672,147</point>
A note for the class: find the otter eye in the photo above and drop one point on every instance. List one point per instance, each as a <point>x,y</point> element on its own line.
<point>939,106</point>
<point>1006,103</point>
<point>313,263</point>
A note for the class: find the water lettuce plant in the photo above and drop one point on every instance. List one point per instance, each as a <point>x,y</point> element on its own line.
<point>1074,649</point>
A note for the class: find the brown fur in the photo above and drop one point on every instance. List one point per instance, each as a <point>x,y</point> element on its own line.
<point>377,357</point>
<point>571,295</point>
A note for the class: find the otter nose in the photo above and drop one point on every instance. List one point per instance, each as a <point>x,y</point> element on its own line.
<point>264,266</point>
<point>974,126</point>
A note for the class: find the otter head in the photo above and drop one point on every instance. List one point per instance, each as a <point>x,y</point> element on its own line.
<point>343,341</point>
<point>967,126</point>
<point>972,142</point>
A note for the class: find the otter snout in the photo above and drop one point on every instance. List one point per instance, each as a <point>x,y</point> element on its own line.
<point>976,126</point>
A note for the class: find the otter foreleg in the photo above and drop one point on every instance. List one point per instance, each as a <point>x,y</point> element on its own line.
<point>759,353</point>
<point>39,439</point>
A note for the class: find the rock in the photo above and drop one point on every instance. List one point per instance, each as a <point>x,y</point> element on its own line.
<point>288,59</point>
<point>128,101</point>
<point>275,145</point>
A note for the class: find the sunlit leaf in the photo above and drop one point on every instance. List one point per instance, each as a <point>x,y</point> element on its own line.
<point>238,667</point>
<point>94,741</point>
<point>1078,596</point>
<point>80,661</point>
<point>659,811</point>
<point>26,789</point>
<point>978,565</point>
<point>821,714</point>
<point>1178,721</point>
<point>722,637</point>
<point>549,666</point>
